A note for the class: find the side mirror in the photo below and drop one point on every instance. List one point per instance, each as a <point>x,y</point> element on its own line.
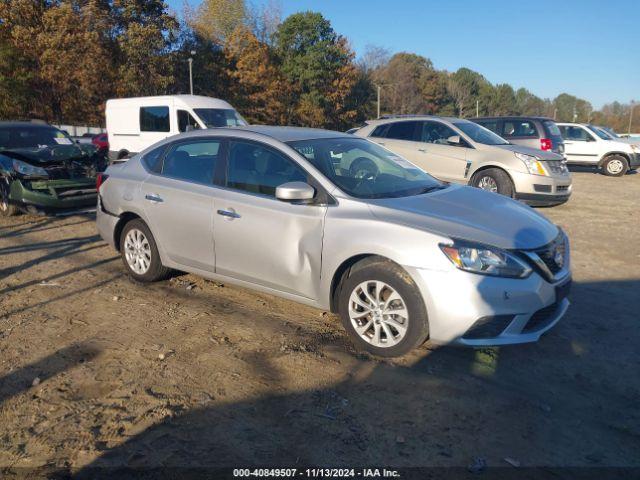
<point>295,191</point>
<point>590,139</point>
<point>454,140</point>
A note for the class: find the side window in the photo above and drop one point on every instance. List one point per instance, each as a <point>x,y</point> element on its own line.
<point>258,169</point>
<point>380,131</point>
<point>193,162</point>
<point>154,119</point>
<point>403,131</point>
<point>519,128</point>
<point>436,132</point>
<point>489,124</point>
<point>153,159</point>
<point>186,120</point>
<point>574,133</point>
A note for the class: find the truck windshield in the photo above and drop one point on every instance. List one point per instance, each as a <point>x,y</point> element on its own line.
<point>31,136</point>
<point>220,117</point>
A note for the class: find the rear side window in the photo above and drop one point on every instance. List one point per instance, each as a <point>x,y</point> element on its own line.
<point>193,161</point>
<point>380,131</point>
<point>575,133</point>
<point>403,131</point>
<point>154,119</point>
<point>551,128</point>
<point>519,129</point>
<point>153,159</point>
<point>490,124</point>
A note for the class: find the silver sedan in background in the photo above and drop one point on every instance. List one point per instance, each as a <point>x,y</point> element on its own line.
<point>339,223</point>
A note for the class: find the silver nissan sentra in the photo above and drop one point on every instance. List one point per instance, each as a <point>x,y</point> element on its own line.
<point>340,223</point>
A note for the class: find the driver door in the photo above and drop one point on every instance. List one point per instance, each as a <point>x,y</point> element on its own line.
<point>447,161</point>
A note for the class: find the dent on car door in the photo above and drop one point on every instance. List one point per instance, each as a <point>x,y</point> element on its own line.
<point>179,202</point>
<point>258,238</point>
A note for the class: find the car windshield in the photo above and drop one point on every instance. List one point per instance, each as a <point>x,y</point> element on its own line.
<point>363,169</point>
<point>479,134</point>
<point>220,117</point>
<point>603,135</point>
<point>31,136</point>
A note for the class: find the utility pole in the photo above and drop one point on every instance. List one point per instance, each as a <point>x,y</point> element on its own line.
<point>477,108</point>
<point>575,114</point>
<point>555,113</point>
<point>379,87</point>
<point>191,71</point>
<point>630,117</point>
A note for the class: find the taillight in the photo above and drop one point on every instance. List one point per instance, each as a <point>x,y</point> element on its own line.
<point>100,179</point>
<point>546,144</point>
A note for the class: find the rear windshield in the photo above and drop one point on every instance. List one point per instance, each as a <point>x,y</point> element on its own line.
<point>29,136</point>
<point>220,117</point>
<point>552,128</point>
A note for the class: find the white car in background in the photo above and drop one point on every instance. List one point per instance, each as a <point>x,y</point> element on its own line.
<point>585,144</point>
<point>137,123</point>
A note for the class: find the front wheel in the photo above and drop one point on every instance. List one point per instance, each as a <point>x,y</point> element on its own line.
<point>7,209</point>
<point>493,180</point>
<point>615,166</point>
<point>382,309</point>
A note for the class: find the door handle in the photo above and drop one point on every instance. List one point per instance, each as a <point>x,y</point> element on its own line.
<point>380,143</point>
<point>231,214</point>
<point>153,197</point>
<point>423,150</point>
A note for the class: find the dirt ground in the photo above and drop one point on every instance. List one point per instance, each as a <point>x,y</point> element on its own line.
<point>96,370</point>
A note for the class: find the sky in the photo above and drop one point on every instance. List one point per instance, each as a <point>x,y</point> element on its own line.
<point>587,48</point>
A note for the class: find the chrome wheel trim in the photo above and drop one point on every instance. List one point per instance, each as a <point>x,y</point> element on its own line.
<point>488,183</point>
<point>615,166</point>
<point>378,314</point>
<point>137,251</point>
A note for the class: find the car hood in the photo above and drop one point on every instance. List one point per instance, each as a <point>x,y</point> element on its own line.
<point>471,214</point>
<point>54,155</point>
<point>541,154</point>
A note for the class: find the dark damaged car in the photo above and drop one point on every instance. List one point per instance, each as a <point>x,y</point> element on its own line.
<point>43,170</point>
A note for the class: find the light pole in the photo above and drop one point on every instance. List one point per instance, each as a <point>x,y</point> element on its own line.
<point>193,52</point>
<point>379,88</point>
<point>630,117</point>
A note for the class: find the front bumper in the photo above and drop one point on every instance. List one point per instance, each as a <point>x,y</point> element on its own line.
<point>538,190</point>
<point>54,194</point>
<point>477,310</point>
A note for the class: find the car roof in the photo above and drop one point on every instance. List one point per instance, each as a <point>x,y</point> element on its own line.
<point>282,134</point>
<point>527,117</point>
<point>16,123</point>
<point>395,118</point>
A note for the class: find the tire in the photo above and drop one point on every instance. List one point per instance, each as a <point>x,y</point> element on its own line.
<point>615,166</point>
<point>7,209</point>
<point>381,278</point>
<point>136,234</point>
<point>494,180</point>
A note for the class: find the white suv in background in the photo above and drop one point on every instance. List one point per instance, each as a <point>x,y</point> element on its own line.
<point>585,144</point>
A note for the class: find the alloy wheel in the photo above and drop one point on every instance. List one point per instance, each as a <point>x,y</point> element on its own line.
<point>488,183</point>
<point>137,251</point>
<point>378,313</point>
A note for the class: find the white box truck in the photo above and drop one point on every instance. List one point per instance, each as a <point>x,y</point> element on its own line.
<point>134,124</point>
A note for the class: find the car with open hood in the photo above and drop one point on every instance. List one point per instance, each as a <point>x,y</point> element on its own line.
<point>338,222</point>
<point>42,169</point>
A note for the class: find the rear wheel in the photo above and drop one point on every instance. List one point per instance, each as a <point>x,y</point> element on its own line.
<point>6,208</point>
<point>493,180</point>
<point>615,166</point>
<point>382,309</point>
<point>140,253</point>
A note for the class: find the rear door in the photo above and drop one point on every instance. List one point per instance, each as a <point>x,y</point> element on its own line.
<point>180,201</point>
<point>261,239</point>
<point>579,144</point>
<point>400,137</point>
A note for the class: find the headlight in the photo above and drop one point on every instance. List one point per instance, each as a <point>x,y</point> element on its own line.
<point>533,164</point>
<point>29,170</point>
<point>486,260</point>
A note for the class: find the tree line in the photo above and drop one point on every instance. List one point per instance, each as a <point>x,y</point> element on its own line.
<point>60,60</point>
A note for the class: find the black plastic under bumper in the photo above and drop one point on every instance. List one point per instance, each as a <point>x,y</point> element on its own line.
<point>536,200</point>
